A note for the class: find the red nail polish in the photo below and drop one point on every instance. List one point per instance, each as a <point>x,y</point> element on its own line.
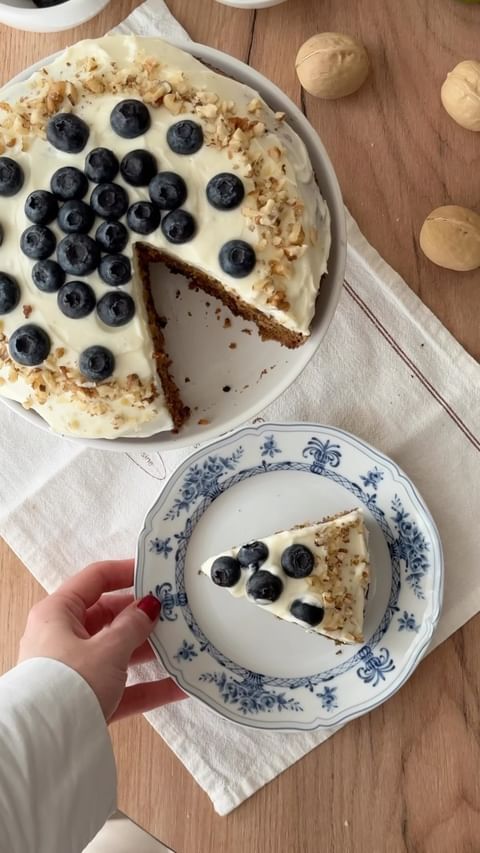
<point>151,606</point>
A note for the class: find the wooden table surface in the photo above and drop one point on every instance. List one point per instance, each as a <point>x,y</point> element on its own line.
<point>406,777</point>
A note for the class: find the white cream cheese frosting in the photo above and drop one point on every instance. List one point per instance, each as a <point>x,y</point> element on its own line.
<point>337,583</point>
<point>283,217</point>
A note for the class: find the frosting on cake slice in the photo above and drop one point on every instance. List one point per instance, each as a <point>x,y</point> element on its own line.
<point>315,575</point>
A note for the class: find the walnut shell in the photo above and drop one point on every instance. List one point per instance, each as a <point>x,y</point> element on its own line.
<point>450,237</point>
<point>332,65</point>
<point>460,94</point>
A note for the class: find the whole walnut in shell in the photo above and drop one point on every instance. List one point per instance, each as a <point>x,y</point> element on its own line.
<point>450,237</point>
<point>460,94</point>
<point>332,65</point>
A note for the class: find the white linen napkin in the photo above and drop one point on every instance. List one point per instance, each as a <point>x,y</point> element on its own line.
<point>387,371</point>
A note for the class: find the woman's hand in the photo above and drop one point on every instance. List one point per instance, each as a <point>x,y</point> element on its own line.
<point>98,633</point>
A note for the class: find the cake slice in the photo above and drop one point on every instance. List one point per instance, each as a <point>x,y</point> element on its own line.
<point>315,575</point>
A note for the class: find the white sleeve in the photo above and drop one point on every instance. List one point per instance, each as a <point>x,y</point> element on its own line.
<point>57,771</point>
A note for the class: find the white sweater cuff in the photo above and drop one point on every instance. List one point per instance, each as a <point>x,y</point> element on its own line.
<point>57,772</point>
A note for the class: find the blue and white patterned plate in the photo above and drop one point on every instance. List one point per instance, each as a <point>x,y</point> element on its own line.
<point>247,666</point>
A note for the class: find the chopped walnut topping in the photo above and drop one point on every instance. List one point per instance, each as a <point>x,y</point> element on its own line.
<point>91,64</point>
<point>55,96</point>
<point>173,103</point>
<point>294,252</point>
<point>95,84</point>
<point>27,310</point>
<point>254,106</point>
<point>71,93</point>
<point>151,64</point>
<point>279,301</point>
<point>156,96</point>
<point>278,268</point>
<point>297,235</point>
<point>207,111</point>
<point>275,152</point>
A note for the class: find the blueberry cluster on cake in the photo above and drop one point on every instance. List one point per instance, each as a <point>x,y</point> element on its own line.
<point>123,152</point>
<point>315,575</point>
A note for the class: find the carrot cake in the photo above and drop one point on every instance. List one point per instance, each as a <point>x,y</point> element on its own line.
<point>314,575</point>
<point>122,152</point>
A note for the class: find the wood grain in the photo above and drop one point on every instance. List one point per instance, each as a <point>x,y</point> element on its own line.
<point>405,778</point>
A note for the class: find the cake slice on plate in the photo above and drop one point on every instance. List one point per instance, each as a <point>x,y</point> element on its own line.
<point>315,575</point>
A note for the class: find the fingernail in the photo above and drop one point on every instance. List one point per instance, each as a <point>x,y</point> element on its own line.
<point>151,606</point>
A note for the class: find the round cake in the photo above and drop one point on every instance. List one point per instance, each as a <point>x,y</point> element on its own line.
<point>123,152</point>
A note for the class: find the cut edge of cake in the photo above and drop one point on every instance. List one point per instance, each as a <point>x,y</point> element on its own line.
<point>179,412</point>
<point>267,327</point>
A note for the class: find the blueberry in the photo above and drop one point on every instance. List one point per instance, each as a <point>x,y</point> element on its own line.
<point>109,201</point>
<point>143,217</point>
<point>115,308</point>
<point>115,269</point>
<point>310,614</point>
<point>225,571</point>
<point>101,165</point>
<point>67,132</point>
<point>96,363</point>
<point>112,236</point>
<point>11,176</point>
<point>178,226</point>
<point>78,254</point>
<point>237,258</point>
<point>130,118</point>
<point>167,190</point>
<point>225,191</point>
<point>68,182</point>
<point>41,207</point>
<point>76,217</point>
<point>48,276</point>
<point>29,345</point>
<point>253,554</point>
<point>138,167</point>
<point>76,299</point>
<point>185,137</point>
<point>297,561</point>
<point>264,587</point>
<point>37,242</point>
<point>9,293</point>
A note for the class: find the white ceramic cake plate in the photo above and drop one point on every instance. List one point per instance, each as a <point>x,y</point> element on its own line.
<point>23,15</point>
<point>211,357</point>
<point>243,663</point>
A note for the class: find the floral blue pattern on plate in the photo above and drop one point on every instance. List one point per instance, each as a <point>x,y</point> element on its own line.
<point>245,665</point>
